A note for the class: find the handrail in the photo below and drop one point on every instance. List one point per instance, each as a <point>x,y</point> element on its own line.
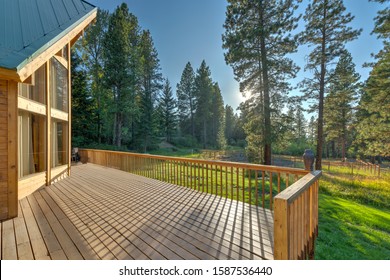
<point>251,183</point>
<point>252,166</point>
<point>296,219</point>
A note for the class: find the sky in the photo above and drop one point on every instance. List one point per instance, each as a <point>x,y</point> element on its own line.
<point>191,30</point>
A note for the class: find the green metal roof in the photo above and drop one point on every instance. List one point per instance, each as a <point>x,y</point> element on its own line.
<point>29,27</point>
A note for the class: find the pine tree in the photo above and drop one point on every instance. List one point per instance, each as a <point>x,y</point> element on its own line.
<point>186,100</point>
<point>150,84</point>
<point>203,92</point>
<point>326,31</point>
<point>92,54</point>
<point>373,127</point>
<point>257,38</point>
<point>120,66</point>
<point>217,118</point>
<point>230,123</point>
<point>167,112</point>
<point>83,109</point>
<point>341,101</point>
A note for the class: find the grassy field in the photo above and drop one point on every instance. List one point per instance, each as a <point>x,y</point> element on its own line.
<point>354,215</point>
<point>354,212</point>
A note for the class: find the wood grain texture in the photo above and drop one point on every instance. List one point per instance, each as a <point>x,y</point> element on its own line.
<point>103,213</point>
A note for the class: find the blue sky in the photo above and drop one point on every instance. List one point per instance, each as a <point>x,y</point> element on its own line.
<point>185,30</point>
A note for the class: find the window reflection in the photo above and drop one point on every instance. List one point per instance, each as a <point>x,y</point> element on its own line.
<point>32,143</point>
<point>59,86</point>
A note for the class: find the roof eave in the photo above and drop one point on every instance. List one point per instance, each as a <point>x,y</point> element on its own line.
<point>43,54</point>
<point>9,74</point>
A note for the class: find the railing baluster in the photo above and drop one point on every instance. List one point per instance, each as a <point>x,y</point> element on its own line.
<point>226,182</point>
<point>221,184</point>
<point>257,187</point>
<point>231,183</point>
<point>243,185</point>
<point>270,190</point>
<point>237,188</point>
<point>263,188</point>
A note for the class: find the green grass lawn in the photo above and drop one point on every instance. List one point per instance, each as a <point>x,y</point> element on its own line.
<point>354,216</point>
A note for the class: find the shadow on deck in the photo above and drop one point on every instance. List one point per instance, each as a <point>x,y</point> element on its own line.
<point>104,213</point>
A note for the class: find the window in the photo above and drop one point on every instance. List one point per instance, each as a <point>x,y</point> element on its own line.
<point>60,143</point>
<point>59,85</point>
<point>32,143</point>
<point>37,91</point>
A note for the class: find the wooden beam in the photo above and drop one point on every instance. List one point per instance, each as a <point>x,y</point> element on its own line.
<point>9,74</point>
<point>31,106</point>
<point>41,59</point>
<point>62,60</point>
<point>60,115</point>
<point>12,149</point>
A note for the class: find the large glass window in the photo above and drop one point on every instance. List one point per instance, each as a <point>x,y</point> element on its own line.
<point>32,143</point>
<point>60,143</point>
<point>37,91</point>
<point>59,85</point>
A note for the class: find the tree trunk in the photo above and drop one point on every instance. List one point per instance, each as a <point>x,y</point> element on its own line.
<point>267,111</point>
<point>320,132</point>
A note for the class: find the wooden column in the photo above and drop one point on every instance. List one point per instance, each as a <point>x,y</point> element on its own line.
<point>48,125</point>
<point>12,149</point>
<point>69,110</point>
<point>8,149</point>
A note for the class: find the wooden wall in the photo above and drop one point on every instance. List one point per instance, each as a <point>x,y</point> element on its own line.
<point>8,150</point>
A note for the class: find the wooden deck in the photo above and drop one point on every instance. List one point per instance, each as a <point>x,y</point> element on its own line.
<point>103,213</point>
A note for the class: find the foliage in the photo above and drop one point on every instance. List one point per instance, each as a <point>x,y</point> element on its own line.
<point>167,112</point>
<point>374,110</point>
<point>83,107</point>
<point>186,100</point>
<point>150,79</point>
<point>340,103</point>
<point>374,106</point>
<point>121,64</point>
<point>326,32</point>
<point>257,39</point>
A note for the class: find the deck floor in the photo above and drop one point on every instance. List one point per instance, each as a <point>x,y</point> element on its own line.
<point>103,213</point>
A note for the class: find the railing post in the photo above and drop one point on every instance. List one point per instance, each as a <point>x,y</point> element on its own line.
<point>281,229</point>
<point>308,159</point>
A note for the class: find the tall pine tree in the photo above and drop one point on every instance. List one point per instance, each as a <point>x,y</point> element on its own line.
<point>373,129</point>
<point>187,100</point>
<point>167,112</point>
<point>341,101</point>
<point>92,54</point>
<point>326,32</point>
<point>204,93</point>
<point>150,85</point>
<point>120,64</point>
<point>257,38</point>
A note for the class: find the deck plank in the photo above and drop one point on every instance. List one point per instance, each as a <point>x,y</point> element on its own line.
<point>39,249</point>
<point>103,213</point>
<point>53,246</point>
<point>23,243</point>
<point>240,233</point>
<point>9,251</point>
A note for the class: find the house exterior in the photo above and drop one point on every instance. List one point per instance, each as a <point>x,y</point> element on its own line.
<point>35,93</point>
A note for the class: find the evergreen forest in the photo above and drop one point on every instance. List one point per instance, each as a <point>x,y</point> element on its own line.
<point>121,99</point>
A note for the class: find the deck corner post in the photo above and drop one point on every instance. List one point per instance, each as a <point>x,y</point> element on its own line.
<point>281,229</point>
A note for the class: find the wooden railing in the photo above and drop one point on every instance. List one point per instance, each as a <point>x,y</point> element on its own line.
<point>296,219</point>
<point>354,166</point>
<point>292,193</point>
<point>250,183</point>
